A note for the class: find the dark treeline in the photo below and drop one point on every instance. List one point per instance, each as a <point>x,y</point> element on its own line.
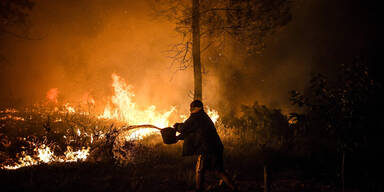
<point>335,136</point>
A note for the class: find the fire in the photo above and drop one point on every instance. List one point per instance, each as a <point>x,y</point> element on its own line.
<point>45,155</point>
<point>139,134</point>
<point>10,110</point>
<point>213,114</point>
<point>24,161</point>
<point>8,114</point>
<point>121,107</point>
<point>73,156</point>
<point>88,99</point>
<point>52,95</point>
<point>12,117</point>
<point>69,108</point>
<point>124,109</point>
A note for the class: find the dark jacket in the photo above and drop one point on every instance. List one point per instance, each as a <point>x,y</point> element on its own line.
<point>199,135</point>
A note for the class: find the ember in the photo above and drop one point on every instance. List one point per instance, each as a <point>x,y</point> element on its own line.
<point>140,123</point>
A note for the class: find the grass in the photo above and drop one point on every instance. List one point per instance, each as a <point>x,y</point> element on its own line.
<point>148,165</point>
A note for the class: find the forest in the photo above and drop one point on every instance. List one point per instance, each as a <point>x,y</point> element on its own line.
<point>292,87</point>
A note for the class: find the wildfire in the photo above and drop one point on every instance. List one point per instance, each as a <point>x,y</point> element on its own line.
<point>45,155</point>
<point>124,109</point>
<point>213,114</point>
<point>138,134</point>
<point>24,161</point>
<point>73,156</point>
<point>9,111</point>
<point>87,99</point>
<point>12,118</point>
<point>69,108</point>
<point>8,115</point>
<point>121,107</point>
<point>52,95</point>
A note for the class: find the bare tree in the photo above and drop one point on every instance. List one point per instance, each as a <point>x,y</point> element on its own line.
<point>12,15</point>
<point>205,24</point>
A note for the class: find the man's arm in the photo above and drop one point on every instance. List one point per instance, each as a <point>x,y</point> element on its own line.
<point>184,128</point>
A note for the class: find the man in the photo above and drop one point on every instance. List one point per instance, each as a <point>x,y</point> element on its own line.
<point>201,138</point>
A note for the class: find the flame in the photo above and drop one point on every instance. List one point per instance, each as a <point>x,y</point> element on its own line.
<point>45,155</point>
<point>87,99</point>
<point>121,107</point>
<point>52,95</point>
<point>16,118</point>
<point>124,109</point>
<point>24,161</point>
<point>139,134</point>
<point>213,114</point>
<point>73,156</point>
<point>69,108</point>
<point>9,110</point>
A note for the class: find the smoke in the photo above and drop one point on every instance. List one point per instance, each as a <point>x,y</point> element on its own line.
<point>81,43</point>
<point>322,35</point>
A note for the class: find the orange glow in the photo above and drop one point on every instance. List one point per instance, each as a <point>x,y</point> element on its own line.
<point>69,108</point>
<point>45,155</point>
<point>213,114</point>
<point>121,107</point>
<point>88,99</point>
<point>52,95</point>
<point>124,109</point>
<point>139,134</point>
<point>79,155</point>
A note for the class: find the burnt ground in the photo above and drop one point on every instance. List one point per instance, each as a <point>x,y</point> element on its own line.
<point>147,177</point>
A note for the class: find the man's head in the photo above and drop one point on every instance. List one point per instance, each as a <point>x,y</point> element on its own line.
<point>196,106</point>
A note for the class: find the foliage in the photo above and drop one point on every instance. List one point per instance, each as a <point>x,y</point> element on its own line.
<point>13,13</point>
<point>338,109</point>
<point>254,20</point>
<point>257,136</point>
<point>249,22</point>
<point>265,128</point>
<point>21,131</point>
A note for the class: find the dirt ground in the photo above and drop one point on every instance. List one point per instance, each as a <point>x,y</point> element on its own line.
<point>108,177</point>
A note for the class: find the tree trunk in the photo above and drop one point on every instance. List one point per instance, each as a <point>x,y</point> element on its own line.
<point>342,171</point>
<point>266,178</point>
<point>196,49</point>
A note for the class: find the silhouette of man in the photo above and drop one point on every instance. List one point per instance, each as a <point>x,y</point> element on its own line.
<point>201,139</point>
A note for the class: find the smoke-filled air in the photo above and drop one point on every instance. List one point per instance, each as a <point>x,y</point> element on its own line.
<point>150,95</point>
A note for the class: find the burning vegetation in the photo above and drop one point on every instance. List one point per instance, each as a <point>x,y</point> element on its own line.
<point>54,132</point>
<point>89,132</point>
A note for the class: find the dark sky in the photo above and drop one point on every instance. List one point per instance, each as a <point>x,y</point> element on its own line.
<point>83,43</point>
<point>322,35</point>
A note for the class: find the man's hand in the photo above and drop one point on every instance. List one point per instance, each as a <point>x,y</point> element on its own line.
<point>177,126</point>
<point>179,137</point>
